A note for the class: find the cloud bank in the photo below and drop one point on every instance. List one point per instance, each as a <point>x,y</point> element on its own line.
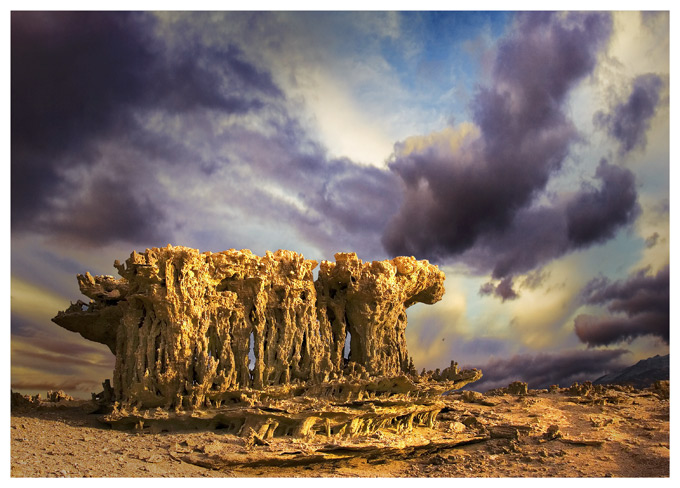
<point>542,370</point>
<point>540,234</point>
<point>641,304</point>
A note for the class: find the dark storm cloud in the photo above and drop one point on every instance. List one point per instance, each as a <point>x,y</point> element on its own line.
<point>595,215</point>
<point>361,199</point>
<point>453,198</point>
<point>119,215</point>
<point>81,78</point>
<point>476,203</point>
<point>538,235</point>
<point>64,91</point>
<point>629,121</point>
<point>545,369</point>
<point>110,120</point>
<point>603,331</point>
<point>642,305</point>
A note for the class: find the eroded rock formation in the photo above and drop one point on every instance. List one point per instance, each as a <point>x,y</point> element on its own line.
<point>192,330</point>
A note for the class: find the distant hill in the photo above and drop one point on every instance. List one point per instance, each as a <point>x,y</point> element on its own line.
<point>640,375</point>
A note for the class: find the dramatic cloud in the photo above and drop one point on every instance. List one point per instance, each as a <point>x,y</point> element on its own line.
<point>106,71</point>
<point>138,136</point>
<point>111,213</point>
<point>284,179</point>
<point>595,215</point>
<point>461,196</point>
<point>545,369</point>
<point>642,303</point>
<point>629,121</point>
<point>539,234</point>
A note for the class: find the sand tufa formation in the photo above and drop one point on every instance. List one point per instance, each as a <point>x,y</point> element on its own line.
<point>192,330</point>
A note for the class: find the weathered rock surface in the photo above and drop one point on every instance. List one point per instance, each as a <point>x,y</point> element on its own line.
<point>547,435</point>
<point>514,388</point>
<point>194,330</point>
<point>369,301</point>
<point>58,396</point>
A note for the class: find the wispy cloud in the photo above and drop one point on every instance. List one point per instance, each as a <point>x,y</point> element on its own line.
<point>629,121</point>
<point>44,358</point>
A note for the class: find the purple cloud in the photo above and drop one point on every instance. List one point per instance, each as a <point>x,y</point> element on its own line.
<point>596,214</point>
<point>82,364</point>
<point>81,78</point>
<point>629,121</point>
<point>461,203</point>
<point>502,290</point>
<point>128,116</point>
<point>539,234</point>
<point>545,369</point>
<point>642,305</point>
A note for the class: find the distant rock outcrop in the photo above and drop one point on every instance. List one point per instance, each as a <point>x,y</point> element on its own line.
<point>642,374</point>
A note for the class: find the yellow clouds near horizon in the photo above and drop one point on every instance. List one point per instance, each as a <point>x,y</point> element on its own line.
<point>79,370</point>
<point>34,302</point>
<point>431,327</point>
<point>46,357</point>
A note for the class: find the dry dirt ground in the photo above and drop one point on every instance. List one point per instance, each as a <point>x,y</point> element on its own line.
<point>613,434</point>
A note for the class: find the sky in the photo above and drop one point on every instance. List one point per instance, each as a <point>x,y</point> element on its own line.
<point>526,154</point>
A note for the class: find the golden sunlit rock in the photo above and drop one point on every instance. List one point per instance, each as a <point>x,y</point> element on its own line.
<point>195,330</point>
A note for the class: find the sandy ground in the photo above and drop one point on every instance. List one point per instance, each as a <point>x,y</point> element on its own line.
<point>621,434</point>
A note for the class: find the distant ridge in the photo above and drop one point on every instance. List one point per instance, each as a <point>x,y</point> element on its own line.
<point>641,375</point>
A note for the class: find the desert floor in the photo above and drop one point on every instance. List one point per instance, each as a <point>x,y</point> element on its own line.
<point>616,434</point>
